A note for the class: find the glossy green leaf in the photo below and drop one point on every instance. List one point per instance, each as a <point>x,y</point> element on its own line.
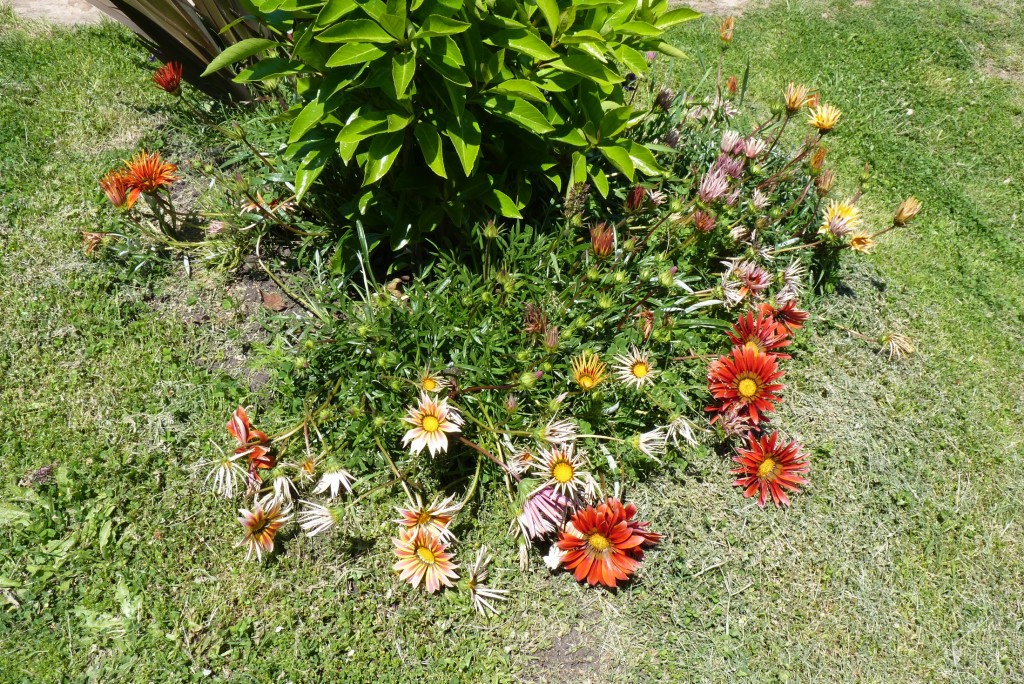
<point>502,203</point>
<point>522,88</point>
<point>237,52</point>
<point>643,159</point>
<point>614,121</point>
<point>430,145</point>
<point>599,179</point>
<point>310,168</point>
<point>355,53</point>
<point>310,116</point>
<point>523,41</point>
<point>585,65</point>
<point>333,11</point>
<point>437,25</point>
<point>579,170</point>
<point>634,60</point>
<point>671,50</point>
<point>676,17</point>
<point>519,111</point>
<point>640,28</point>
<point>382,154</point>
<point>356,31</point>
<point>403,68</point>
<point>619,158</point>
<point>549,10</point>
<point>464,133</point>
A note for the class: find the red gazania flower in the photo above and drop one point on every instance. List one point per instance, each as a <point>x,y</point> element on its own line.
<point>168,77</point>
<point>605,544</point>
<point>769,468</point>
<point>787,315</point>
<point>147,173</point>
<point>746,380</point>
<point>254,444</point>
<point>115,185</point>
<point>761,333</point>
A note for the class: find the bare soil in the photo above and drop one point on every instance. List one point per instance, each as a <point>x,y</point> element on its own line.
<point>66,12</point>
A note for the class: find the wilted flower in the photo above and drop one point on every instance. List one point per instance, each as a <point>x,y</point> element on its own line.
<point>840,219</point>
<point>704,221</point>
<point>681,429</point>
<point>225,474</point>
<point>284,487</point>
<point>794,280</point>
<point>671,138</point>
<point>732,85</point>
<point>862,242</point>
<point>602,240</point>
<point>559,432</point>
<point>786,315</point>
<point>664,99</point>
<point>733,422</point>
<point>646,317</point>
<point>896,345</point>
<point>712,186</point>
<point>535,321</point>
<point>253,444</point>
<point>731,141</point>
<point>588,370</point>
<point>333,481</point>
<point>652,443</point>
<point>656,197</point>
<point>423,559</point>
<point>93,241</point>
<point>795,98</point>
<point>314,518</point>
<point>551,338</point>
<point>168,77</point>
<point>759,200</point>
<point>147,173</point>
<point>479,593</point>
<point>115,186</point>
<point>433,519</point>
<point>725,31</point>
<point>817,159</point>
<point>635,368</point>
<point>824,182</point>
<point>824,117</point>
<point>261,526</point>
<point>906,212</point>
<point>431,419</point>
<point>553,558</point>
<point>511,402</point>
<point>754,147</point>
<point>729,165</point>
<point>544,511</point>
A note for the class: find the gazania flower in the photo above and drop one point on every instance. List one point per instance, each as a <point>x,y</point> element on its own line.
<point>544,511</point>
<point>423,559</point>
<point>794,281</point>
<point>314,518</point>
<point>862,242</point>
<point>147,173</point>
<point>480,594</point>
<point>535,321</point>
<point>261,526</point>
<point>520,461</point>
<point>307,467</point>
<point>731,141</point>
<point>333,481</point>
<point>704,221</point>
<point>725,31</point>
<point>284,487</point>
<point>759,200</point>
<point>745,379</point>
<point>786,315</point>
<point>743,278</point>
<point>664,99</point>
<point>558,432</point>
<point>905,213</point>
<point>681,429</point>
<point>252,443</point>
<point>713,186</point>
<point>760,333</point>
<point>732,422</point>
<point>602,240</point>
<point>652,443</point>
<point>824,117</point>
<point>824,182</point>
<point>731,167</point>
<point>732,84</point>
<point>93,241</point>
<point>635,198</point>
<point>225,475</point>
<point>604,545</point>
<point>634,368</point>
<point>588,370</point>
<point>562,469</point>
<point>168,77</point>
<point>769,467</point>
<point>840,219</point>
<point>430,421</point>
<point>431,382</point>
<point>433,519</point>
<point>115,186</point>
<point>794,98</point>
<point>817,159</point>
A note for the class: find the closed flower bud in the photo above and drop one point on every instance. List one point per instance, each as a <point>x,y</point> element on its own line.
<point>824,182</point>
<point>905,213</point>
<point>602,240</point>
<point>629,245</point>
<point>551,338</point>
<point>732,85</point>
<point>605,302</point>
<point>666,278</point>
<point>593,274</point>
<point>635,198</point>
<point>664,99</point>
<point>527,380</point>
<point>619,277</point>
<point>511,403</point>
<point>817,159</point>
<point>491,230</point>
<point>725,31</point>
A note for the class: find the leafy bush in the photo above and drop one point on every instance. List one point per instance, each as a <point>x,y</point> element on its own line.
<point>451,110</point>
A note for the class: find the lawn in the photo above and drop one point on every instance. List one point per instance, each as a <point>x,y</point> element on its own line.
<point>903,562</point>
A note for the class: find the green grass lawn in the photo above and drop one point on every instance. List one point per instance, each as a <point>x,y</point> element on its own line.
<point>902,563</point>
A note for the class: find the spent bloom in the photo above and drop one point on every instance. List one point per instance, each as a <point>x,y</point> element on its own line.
<point>433,519</point>
<point>430,421</point>
<point>862,242</point>
<point>713,186</point>
<point>115,186</point>
<point>431,382</point>
<point>93,241</point>
<point>725,30</point>
<point>544,511</point>
<point>225,474</point>
<point>905,213</point>
<point>315,518</point>
<point>333,481</point>
<point>480,594</point>
<point>652,443</point>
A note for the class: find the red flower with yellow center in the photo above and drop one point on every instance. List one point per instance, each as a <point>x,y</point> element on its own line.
<point>147,173</point>
<point>745,379</point>
<point>787,315</point>
<point>769,468</point>
<point>168,77</point>
<point>605,544</point>
<point>760,333</point>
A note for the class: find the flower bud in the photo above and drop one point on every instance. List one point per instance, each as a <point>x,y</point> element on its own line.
<point>511,403</point>
<point>551,339</point>
<point>527,380</point>
<point>905,213</point>
<point>491,230</point>
<point>635,198</point>
<point>593,274</point>
<point>629,245</point>
<point>605,302</point>
<point>726,29</point>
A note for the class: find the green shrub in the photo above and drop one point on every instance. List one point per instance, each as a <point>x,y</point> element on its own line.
<point>442,111</point>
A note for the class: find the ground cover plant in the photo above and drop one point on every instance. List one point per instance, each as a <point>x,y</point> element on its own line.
<point>895,541</point>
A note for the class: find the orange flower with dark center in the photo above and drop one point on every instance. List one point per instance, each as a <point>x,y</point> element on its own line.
<point>762,334</point>
<point>770,467</point>
<point>602,240</point>
<point>168,77</point>
<point>261,525</point>
<point>115,185</point>
<point>787,315</point>
<point>147,173</point>
<point>604,544</point>
<point>745,379</point>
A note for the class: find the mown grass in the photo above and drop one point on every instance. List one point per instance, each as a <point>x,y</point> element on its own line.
<point>902,563</point>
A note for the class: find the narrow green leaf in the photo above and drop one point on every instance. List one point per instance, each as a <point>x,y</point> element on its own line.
<point>430,145</point>
<point>619,158</point>
<point>355,53</point>
<point>523,41</point>
<point>237,52</point>
<point>519,111</point>
<point>403,67</point>
<point>549,10</point>
<point>356,31</point>
<point>332,11</point>
<point>382,154</point>
<point>437,25</point>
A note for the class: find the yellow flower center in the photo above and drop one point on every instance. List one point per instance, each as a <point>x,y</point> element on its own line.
<point>429,384</point>
<point>768,469</point>
<point>753,345</point>
<point>309,467</point>
<point>640,369</point>
<point>426,555</point>
<point>586,382</point>
<point>747,388</point>
<point>599,542</point>
<point>430,424</point>
<point>563,472</point>
<point>422,518</point>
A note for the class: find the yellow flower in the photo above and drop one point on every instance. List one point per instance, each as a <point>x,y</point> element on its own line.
<point>795,97</point>
<point>840,219</point>
<point>588,370</point>
<point>861,242</point>
<point>824,117</point>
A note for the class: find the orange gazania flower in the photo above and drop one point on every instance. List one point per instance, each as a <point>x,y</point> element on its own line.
<point>424,559</point>
<point>93,241</point>
<point>769,468</point>
<point>761,333</point>
<point>746,380</point>
<point>605,544</point>
<point>147,173</point>
<point>168,77</point>
<point>786,315</point>
<point>254,444</point>
<point>433,519</point>
<point>115,185</point>
<point>261,525</point>
<point>602,240</point>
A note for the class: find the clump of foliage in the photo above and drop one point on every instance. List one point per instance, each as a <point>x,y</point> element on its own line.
<point>441,112</point>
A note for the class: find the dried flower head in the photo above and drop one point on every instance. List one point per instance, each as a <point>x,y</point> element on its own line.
<point>315,518</point>
<point>896,345</point>
<point>481,595</point>
<point>535,321</point>
<point>726,29</point>
<point>824,182</point>
<point>732,85</point>
<point>704,221</point>
<point>93,241</point>
<point>817,159</point>
<point>664,99</point>
<point>905,213</point>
